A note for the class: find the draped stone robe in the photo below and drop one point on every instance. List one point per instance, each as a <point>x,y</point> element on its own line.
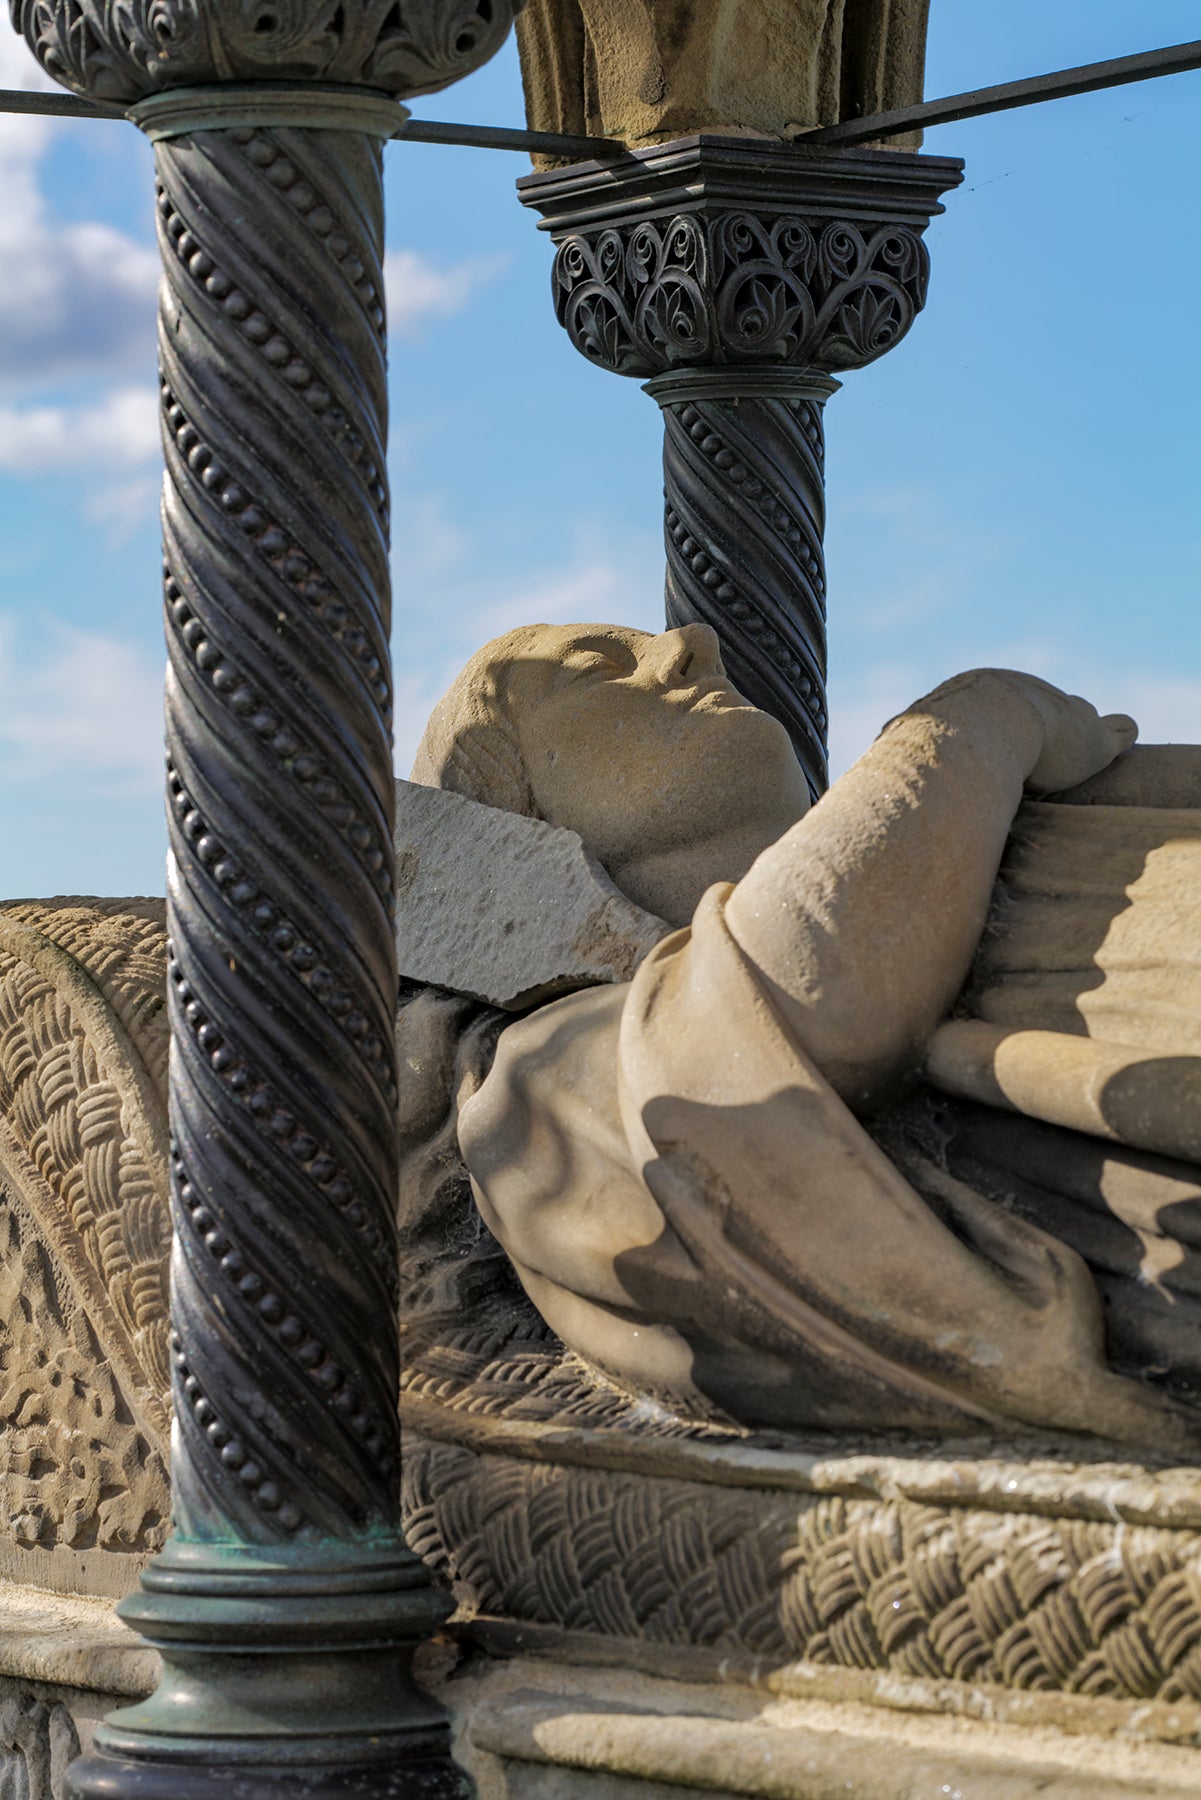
<point>648,70</point>
<point>693,1209</point>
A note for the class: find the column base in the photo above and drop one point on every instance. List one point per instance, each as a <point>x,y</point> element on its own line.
<point>286,1671</point>
<point>419,1777</point>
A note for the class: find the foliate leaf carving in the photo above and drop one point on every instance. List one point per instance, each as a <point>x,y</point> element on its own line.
<point>739,288</point>
<point>75,1471</point>
<point>122,50</point>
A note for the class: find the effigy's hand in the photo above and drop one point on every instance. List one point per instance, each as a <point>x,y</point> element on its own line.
<point>1078,741</point>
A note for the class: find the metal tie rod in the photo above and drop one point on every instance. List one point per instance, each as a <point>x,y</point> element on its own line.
<point>1176,59</point>
<point>417,131</point>
<point>1088,79</point>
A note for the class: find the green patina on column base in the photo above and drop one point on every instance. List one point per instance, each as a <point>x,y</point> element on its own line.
<point>284,1671</point>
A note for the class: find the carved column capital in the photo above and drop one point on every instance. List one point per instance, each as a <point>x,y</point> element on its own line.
<point>736,277</point>
<point>732,252</point>
<point>121,51</point>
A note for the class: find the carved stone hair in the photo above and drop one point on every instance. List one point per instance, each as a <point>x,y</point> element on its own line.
<point>471,744</point>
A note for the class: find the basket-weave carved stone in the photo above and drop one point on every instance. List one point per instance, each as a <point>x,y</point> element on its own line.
<point>84,1231</point>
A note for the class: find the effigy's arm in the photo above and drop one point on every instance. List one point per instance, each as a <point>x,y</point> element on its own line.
<point>864,918</point>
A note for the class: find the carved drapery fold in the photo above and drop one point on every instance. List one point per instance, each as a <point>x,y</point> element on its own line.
<point>647,70</point>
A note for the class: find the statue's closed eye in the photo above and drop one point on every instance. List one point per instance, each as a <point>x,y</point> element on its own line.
<point>601,657</point>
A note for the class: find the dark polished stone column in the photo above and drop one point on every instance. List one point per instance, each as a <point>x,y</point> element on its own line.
<point>737,277</point>
<point>286,1606</point>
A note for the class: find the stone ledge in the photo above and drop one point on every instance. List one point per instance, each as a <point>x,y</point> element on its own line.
<point>61,1641</point>
<point>530,1728</point>
<point>1051,1478</point>
<point>1076,1715</point>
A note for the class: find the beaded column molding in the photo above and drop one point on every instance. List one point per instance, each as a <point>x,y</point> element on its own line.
<point>736,278</point>
<point>286,1606</point>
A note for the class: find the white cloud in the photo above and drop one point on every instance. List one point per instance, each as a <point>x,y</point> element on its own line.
<point>20,69</point>
<point>121,431</point>
<point>77,298</point>
<point>86,705</point>
<point>419,291</point>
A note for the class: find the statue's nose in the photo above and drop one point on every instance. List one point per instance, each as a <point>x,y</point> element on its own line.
<point>690,650</point>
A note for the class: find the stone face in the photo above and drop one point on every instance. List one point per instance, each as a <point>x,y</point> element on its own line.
<point>504,908</point>
<point>649,70</point>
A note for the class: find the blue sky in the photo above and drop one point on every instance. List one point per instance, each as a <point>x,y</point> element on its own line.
<point>1018,484</point>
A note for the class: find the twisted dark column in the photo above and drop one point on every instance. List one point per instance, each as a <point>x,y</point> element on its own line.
<point>738,276</point>
<point>283,976</point>
<point>282,982</point>
<point>744,519</point>
<point>286,1607</point>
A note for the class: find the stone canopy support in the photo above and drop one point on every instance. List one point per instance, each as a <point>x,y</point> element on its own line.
<point>286,1606</point>
<point>738,278</point>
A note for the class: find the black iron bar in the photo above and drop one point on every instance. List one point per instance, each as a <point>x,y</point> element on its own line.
<point>416,131</point>
<point>1177,59</point>
<point>65,106</point>
<point>1089,78</point>
<point>504,137</point>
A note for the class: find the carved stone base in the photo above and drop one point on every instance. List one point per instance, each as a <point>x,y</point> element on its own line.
<point>1037,1568</point>
<point>430,1777</point>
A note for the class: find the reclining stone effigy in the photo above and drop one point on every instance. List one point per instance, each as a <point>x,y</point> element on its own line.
<point>754,1451</point>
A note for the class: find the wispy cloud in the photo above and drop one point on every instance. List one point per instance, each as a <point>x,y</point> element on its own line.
<point>122,508</point>
<point>420,291</point>
<point>1167,707</point>
<point>85,705</point>
<point>77,298</point>
<point>120,431</point>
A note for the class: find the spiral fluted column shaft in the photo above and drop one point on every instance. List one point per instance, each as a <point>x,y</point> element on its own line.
<point>744,519</point>
<point>286,1606</point>
<point>282,980</point>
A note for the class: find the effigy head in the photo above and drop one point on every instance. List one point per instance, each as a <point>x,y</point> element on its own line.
<point>121,51</point>
<point>633,739</point>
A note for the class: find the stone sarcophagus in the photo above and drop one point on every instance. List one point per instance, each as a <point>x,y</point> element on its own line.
<point>651,1590</point>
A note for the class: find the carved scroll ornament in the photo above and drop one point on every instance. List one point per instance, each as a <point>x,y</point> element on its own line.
<point>739,288</point>
<point>123,50</point>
